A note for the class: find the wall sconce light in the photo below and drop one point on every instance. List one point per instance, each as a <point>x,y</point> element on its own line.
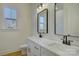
<point>40,6</point>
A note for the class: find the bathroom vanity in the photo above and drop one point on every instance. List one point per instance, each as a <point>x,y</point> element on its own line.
<point>46,47</point>
<point>66,22</point>
<point>37,47</point>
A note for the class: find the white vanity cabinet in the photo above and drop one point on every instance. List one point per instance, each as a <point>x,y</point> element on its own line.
<point>35,49</point>
<point>45,52</point>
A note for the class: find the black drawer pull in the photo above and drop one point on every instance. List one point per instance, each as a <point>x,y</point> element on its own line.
<point>36,48</point>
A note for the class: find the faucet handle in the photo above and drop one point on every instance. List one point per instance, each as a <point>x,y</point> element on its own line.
<point>63,41</point>
<point>64,36</point>
<point>69,42</point>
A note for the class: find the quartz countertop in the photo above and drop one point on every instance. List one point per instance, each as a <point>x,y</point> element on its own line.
<point>46,43</point>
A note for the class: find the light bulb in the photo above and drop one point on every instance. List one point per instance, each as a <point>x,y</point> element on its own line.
<point>39,7</point>
<point>43,5</point>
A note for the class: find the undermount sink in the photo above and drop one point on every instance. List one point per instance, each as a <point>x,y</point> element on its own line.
<point>64,48</point>
<point>46,41</point>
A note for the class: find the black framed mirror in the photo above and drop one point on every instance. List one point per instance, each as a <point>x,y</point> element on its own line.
<point>42,21</point>
<point>58,19</point>
<point>66,19</point>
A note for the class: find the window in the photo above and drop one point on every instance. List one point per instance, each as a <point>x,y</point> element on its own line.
<point>9,18</point>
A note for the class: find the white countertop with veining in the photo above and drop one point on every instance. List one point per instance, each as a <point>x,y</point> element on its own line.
<point>56,46</point>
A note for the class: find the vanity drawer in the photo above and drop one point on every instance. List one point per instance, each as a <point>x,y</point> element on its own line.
<point>35,49</point>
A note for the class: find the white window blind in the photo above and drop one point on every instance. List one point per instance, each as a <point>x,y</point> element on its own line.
<point>9,18</point>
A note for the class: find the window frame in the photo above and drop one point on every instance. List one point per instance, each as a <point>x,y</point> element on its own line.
<point>11,27</point>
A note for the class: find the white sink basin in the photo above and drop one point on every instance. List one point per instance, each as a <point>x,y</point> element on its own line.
<point>64,48</point>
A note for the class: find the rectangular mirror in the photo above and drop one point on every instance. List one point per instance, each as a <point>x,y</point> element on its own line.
<point>66,19</point>
<point>59,19</point>
<point>42,21</point>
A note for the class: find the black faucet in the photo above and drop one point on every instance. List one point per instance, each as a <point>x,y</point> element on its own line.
<point>66,41</point>
<point>40,35</point>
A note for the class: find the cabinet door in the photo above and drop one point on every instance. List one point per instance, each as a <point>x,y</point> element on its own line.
<point>45,52</point>
<point>33,49</point>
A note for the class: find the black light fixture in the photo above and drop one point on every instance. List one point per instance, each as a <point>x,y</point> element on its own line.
<point>40,6</point>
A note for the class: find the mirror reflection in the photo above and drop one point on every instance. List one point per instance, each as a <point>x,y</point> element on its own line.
<point>42,21</point>
<point>67,19</point>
